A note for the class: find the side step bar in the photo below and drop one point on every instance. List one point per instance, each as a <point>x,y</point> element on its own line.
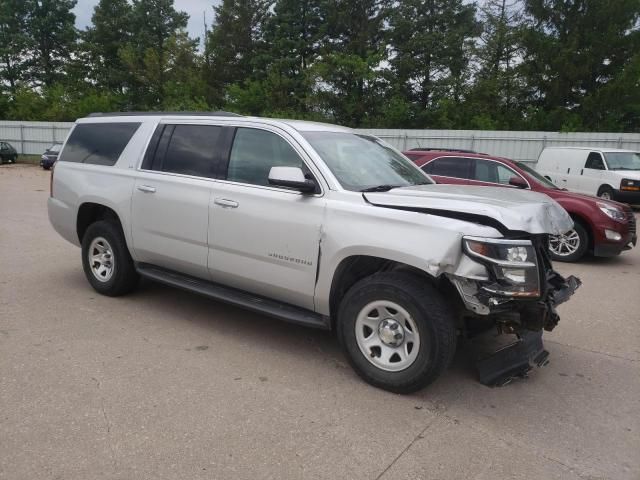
<point>272,308</point>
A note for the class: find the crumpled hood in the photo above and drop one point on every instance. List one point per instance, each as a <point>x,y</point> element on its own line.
<point>515,209</point>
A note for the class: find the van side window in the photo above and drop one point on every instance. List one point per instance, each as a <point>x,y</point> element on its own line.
<point>594,161</point>
<point>190,150</point>
<point>456,167</point>
<point>98,143</point>
<point>253,154</point>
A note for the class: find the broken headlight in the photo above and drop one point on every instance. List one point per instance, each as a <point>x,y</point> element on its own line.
<point>513,265</point>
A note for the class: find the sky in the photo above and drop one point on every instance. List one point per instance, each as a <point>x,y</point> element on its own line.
<point>195,8</point>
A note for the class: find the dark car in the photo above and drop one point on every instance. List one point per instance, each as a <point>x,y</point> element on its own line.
<point>50,156</point>
<point>7,153</point>
<point>603,227</point>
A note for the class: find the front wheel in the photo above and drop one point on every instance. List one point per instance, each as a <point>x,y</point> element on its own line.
<point>606,193</point>
<point>397,331</point>
<point>570,246</point>
<point>106,260</point>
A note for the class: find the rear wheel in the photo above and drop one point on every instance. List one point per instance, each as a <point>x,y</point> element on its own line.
<point>570,246</point>
<point>397,331</point>
<point>106,260</point>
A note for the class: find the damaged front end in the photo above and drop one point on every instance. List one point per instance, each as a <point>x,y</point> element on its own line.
<point>519,296</point>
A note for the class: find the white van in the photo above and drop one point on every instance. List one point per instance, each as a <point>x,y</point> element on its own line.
<point>609,173</point>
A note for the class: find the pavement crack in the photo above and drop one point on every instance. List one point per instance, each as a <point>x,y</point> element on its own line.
<point>107,425</point>
<point>419,436</point>
<point>611,355</point>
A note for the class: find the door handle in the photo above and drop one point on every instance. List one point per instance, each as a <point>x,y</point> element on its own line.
<point>225,202</point>
<point>146,189</point>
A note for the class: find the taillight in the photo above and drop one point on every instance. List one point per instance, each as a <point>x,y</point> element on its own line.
<point>53,167</point>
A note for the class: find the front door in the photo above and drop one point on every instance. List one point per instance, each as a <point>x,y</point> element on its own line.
<point>591,175</point>
<point>264,239</point>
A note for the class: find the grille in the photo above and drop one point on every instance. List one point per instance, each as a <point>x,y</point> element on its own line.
<point>632,221</point>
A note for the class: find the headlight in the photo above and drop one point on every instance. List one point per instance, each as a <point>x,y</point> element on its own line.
<point>612,212</point>
<point>630,185</point>
<point>513,264</point>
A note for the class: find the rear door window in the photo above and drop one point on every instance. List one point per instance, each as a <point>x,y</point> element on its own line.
<point>191,150</point>
<point>98,143</point>
<point>456,167</point>
<point>253,154</point>
<point>595,161</point>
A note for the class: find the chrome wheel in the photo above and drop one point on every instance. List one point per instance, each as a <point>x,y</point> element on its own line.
<point>101,260</point>
<point>387,335</point>
<point>566,244</point>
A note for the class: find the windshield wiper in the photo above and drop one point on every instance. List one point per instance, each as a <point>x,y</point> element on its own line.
<point>380,188</point>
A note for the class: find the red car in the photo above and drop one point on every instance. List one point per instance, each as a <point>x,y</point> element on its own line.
<point>602,227</point>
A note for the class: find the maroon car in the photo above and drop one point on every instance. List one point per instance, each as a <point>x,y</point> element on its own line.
<point>602,227</point>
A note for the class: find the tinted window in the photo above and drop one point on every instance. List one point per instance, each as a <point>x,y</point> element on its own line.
<point>594,160</point>
<point>98,143</point>
<point>253,154</point>
<point>455,167</point>
<point>191,149</point>
<point>494,172</point>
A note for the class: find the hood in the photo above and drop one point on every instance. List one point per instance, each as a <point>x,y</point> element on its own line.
<point>630,174</point>
<point>503,208</point>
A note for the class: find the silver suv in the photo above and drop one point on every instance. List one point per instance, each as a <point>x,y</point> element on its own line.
<point>313,224</point>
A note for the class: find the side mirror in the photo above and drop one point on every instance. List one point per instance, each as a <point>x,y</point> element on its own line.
<point>518,182</point>
<point>291,177</point>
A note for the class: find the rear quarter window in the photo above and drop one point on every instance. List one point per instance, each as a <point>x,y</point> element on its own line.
<point>98,143</point>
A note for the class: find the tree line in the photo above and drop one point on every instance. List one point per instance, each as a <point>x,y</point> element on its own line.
<point>497,64</point>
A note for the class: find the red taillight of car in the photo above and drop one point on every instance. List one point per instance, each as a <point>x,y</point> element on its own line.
<point>53,167</point>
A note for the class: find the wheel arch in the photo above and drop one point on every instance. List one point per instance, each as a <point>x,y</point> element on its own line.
<point>354,268</point>
<point>586,224</point>
<point>91,212</point>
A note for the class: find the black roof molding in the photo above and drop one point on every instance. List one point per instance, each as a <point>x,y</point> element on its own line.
<point>150,114</point>
<point>440,149</point>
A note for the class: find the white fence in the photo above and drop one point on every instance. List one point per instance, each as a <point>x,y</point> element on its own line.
<point>523,146</point>
<point>35,137</point>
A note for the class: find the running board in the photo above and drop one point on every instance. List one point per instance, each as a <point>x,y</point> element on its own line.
<point>255,303</point>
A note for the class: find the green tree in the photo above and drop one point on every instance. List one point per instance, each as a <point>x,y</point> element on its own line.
<point>52,38</point>
<point>572,51</point>
<point>431,44</point>
<point>348,82</point>
<point>496,97</point>
<point>14,41</point>
<point>234,45</point>
<point>154,23</point>
<point>111,29</point>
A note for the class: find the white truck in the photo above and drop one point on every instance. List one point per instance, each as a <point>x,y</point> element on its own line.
<point>313,224</point>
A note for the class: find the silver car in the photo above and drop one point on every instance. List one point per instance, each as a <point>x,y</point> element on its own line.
<point>313,224</point>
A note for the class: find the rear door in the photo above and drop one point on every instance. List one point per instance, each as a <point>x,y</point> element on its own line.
<point>265,239</point>
<point>450,169</point>
<point>170,206</point>
<point>591,175</point>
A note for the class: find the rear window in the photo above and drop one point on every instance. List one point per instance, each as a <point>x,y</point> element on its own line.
<point>98,143</point>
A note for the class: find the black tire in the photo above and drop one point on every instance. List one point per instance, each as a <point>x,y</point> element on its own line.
<point>431,314</point>
<point>124,277</point>
<point>606,192</point>
<point>583,246</point>
<point>46,168</point>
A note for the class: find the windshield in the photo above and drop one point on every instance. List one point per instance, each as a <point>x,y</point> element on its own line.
<point>623,160</point>
<point>362,162</point>
<point>539,178</point>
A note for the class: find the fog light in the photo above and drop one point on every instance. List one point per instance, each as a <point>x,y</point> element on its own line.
<point>611,235</point>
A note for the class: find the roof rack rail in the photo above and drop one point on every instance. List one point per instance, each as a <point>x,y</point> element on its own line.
<point>142,114</point>
<point>429,149</point>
